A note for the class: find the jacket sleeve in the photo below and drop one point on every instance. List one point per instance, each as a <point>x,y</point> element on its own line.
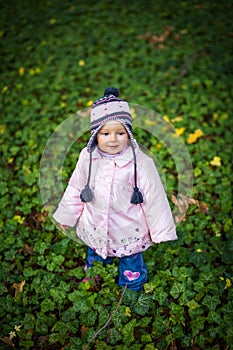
<point>156,207</point>
<point>70,207</point>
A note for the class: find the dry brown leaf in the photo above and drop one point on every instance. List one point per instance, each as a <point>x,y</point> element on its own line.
<point>43,338</point>
<point>7,341</point>
<point>18,287</point>
<point>204,208</point>
<point>41,216</point>
<point>28,249</point>
<point>183,203</point>
<point>84,330</point>
<point>85,113</point>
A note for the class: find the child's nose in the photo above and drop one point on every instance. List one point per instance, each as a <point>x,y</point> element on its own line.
<point>113,137</point>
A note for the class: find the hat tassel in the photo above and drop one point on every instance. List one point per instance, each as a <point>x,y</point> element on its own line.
<point>86,194</point>
<point>137,197</point>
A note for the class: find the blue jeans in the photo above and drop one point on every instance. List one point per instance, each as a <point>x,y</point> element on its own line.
<point>132,269</point>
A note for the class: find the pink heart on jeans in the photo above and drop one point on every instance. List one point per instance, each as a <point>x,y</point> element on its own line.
<point>131,275</point>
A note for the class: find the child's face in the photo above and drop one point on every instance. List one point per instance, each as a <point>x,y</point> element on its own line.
<point>112,137</point>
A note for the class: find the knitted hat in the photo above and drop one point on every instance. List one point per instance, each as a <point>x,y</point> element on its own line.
<point>110,107</point>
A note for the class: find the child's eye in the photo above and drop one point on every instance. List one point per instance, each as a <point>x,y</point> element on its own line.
<point>121,133</point>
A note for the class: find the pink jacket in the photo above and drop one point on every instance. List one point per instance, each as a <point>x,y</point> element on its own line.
<point>110,224</point>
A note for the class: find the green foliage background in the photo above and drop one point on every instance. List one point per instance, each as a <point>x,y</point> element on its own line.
<point>171,56</point>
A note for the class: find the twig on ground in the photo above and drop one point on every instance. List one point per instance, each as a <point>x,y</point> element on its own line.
<point>109,319</point>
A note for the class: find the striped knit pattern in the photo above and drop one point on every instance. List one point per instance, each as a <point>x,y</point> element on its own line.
<point>124,116</point>
<point>106,109</point>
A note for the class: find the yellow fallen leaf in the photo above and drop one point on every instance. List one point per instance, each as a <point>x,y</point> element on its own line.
<point>195,136</point>
<point>192,138</point>
<point>4,89</point>
<point>62,104</point>
<point>166,117</point>
<point>2,128</point>
<point>35,71</point>
<point>177,119</point>
<point>228,283</point>
<point>19,219</point>
<point>52,21</point>
<point>199,133</point>
<point>133,113</point>
<point>12,335</point>
<point>17,328</point>
<point>180,131</point>
<point>150,122</point>
<point>127,311</point>
<point>89,103</point>
<point>25,102</point>
<point>81,63</point>
<point>215,116</point>
<point>21,71</point>
<point>216,161</point>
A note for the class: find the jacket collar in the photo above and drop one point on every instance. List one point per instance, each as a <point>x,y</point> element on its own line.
<point>121,160</point>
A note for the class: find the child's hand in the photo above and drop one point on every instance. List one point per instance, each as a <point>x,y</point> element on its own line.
<point>63,227</point>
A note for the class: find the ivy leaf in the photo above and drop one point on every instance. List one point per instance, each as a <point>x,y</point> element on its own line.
<point>181,273</point>
<point>160,295</point>
<point>176,289</point>
<point>88,319</point>
<point>68,315</point>
<point>130,297</point>
<point>58,294</point>
<point>47,305</point>
<point>197,258</point>
<point>142,305</point>
<point>199,286</point>
<point>177,313</point>
<point>29,321</point>
<point>128,331</point>
<point>211,302</point>
<point>146,338</point>
<point>144,322</point>
<point>115,336</point>
<point>192,304</point>
<point>80,306</point>
<point>214,317</point>
<point>160,325</point>
<point>206,277</point>
<point>197,324</point>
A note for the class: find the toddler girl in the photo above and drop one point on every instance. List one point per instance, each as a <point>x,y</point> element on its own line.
<point>115,196</point>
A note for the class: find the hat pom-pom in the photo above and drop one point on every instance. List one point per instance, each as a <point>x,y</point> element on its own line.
<point>111,91</point>
<point>137,197</point>
<point>86,194</point>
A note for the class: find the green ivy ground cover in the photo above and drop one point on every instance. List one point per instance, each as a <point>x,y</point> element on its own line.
<point>171,56</point>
